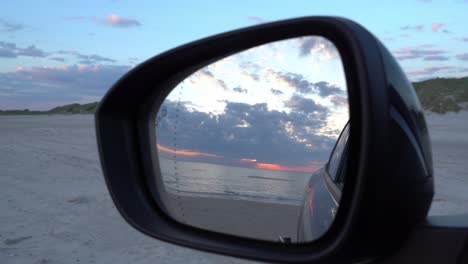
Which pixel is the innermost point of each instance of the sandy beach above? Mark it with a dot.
(56, 209)
(266, 221)
(54, 203)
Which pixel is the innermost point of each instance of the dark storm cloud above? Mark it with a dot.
(276, 92)
(11, 50)
(239, 90)
(246, 131)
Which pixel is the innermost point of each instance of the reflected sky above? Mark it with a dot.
(288, 97)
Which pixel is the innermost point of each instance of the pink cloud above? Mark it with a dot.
(436, 26)
(112, 20)
(118, 21)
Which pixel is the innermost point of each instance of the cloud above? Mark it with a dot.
(120, 22)
(112, 20)
(436, 58)
(416, 52)
(325, 48)
(436, 26)
(297, 81)
(418, 28)
(206, 75)
(10, 50)
(430, 70)
(326, 89)
(302, 85)
(239, 90)
(250, 76)
(248, 134)
(308, 106)
(87, 59)
(9, 27)
(36, 87)
(339, 101)
(93, 59)
(61, 59)
(276, 92)
(256, 19)
(462, 56)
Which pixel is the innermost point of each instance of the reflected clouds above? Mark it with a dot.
(256, 109)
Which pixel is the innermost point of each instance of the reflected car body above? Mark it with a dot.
(323, 193)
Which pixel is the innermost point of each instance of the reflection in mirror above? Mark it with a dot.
(243, 144)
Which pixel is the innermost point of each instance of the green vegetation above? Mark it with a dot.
(60, 110)
(442, 95)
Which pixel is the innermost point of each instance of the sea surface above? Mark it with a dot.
(213, 180)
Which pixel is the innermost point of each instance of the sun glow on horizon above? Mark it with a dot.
(188, 153)
(244, 162)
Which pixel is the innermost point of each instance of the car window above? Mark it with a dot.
(337, 154)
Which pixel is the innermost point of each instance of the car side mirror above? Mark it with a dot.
(182, 138)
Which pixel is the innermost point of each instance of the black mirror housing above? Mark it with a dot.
(389, 184)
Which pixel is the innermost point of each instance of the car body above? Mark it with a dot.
(323, 193)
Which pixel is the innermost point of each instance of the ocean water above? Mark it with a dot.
(213, 180)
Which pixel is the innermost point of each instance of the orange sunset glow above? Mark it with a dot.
(311, 167)
(189, 153)
(272, 166)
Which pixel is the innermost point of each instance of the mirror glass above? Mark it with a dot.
(245, 144)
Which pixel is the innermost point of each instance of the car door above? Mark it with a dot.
(323, 193)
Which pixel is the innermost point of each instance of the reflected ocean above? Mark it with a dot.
(219, 181)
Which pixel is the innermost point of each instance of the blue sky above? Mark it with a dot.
(58, 52)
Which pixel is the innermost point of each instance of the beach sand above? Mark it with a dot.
(259, 220)
(55, 207)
